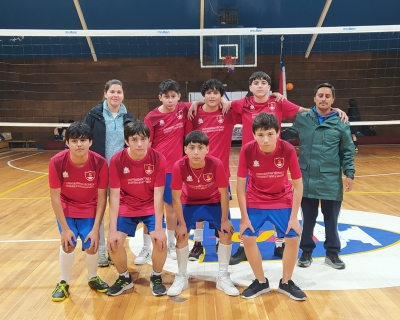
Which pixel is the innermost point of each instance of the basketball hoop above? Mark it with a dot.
(229, 63)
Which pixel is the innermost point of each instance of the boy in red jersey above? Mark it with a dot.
(269, 197)
(137, 179)
(78, 180)
(199, 192)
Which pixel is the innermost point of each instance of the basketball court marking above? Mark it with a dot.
(12, 155)
(31, 155)
(23, 184)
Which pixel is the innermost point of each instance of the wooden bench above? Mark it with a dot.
(25, 143)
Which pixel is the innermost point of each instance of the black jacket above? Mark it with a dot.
(95, 120)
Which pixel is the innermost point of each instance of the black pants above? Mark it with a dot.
(330, 210)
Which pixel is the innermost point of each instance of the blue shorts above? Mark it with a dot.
(210, 212)
(167, 189)
(81, 227)
(278, 217)
(128, 225)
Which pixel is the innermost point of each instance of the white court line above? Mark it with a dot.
(23, 241)
(9, 163)
(12, 155)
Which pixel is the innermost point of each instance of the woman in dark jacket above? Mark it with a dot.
(354, 115)
(107, 121)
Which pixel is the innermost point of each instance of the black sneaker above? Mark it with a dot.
(255, 289)
(278, 251)
(122, 284)
(334, 261)
(291, 290)
(196, 251)
(238, 257)
(157, 285)
(60, 292)
(97, 284)
(305, 260)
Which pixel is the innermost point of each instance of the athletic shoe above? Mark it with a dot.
(180, 283)
(103, 261)
(334, 261)
(305, 260)
(60, 292)
(97, 284)
(238, 257)
(157, 285)
(143, 257)
(225, 284)
(291, 290)
(110, 262)
(171, 251)
(196, 251)
(216, 247)
(122, 284)
(278, 251)
(356, 149)
(255, 289)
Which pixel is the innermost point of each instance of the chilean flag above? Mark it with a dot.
(282, 76)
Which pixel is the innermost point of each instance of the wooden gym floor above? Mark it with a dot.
(29, 246)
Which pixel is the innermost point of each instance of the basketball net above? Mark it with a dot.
(229, 63)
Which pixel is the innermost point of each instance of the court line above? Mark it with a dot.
(23, 184)
(33, 198)
(10, 165)
(12, 155)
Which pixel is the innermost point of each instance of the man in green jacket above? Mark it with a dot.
(326, 150)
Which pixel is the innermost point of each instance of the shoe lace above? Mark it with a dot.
(156, 281)
(334, 257)
(61, 287)
(254, 284)
(197, 248)
(225, 278)
(97, 280)
(143, 252)
(293, 285)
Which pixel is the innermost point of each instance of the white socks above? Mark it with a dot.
(198, 235)
(66, 262)
(182, 256)
(91, 264)
(147, 241)
(224, 254)
(171, 237)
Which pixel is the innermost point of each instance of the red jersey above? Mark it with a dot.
(199, 186)
(268, 186)
(218, 128)
(167, 132)
(137, 180)
(79, 185)
(249, 109)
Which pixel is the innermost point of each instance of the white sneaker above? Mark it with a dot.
(225, 284)
(143, 257)
(181, 283)
(103, 261)
(171, 251)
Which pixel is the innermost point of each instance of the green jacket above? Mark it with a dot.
(326, 150)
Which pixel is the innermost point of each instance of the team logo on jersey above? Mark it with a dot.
(179, 114)
(189, 178)
(126, 170)
(271, 106)
(256, 163)
(162, 122)
(279, 162)
(89, 175)
(207, 177)
(251, 107)
(65, 174)
(200, 121)
(148, 168)
(220, 118)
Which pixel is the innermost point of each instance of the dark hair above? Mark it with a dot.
(109, 83)
(212, 84)
(352, 111)
(169, 85)
(136, 128)
(325, 85)
(259, 75)
(61, 121)
(265, 121)
(71, 121)
(196, 136)
(78, 130)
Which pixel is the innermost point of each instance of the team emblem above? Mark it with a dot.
(200, 121)
(251, 107)
(271, 106)
(89, 175)
(65, 174)
(189, 178)
(179, 114)
(148, 168)
(162, 122)
(256, 163)
(126, 170)
(207, 177)
(279, 162)
(220, 118)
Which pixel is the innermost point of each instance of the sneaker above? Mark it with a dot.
(97, 284)
(171, 251)
(181, 283)
(238, 257)
(278, 251)
(255, 289)
(355, 149)
(291, 290)
(110, 262)
(334, 261)
(216, 247)
(305, 260)
(225, 284)
(103, 261)
(196, 251)
(157, 285)
(60, 292)
(143, 257)
(122, 284)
